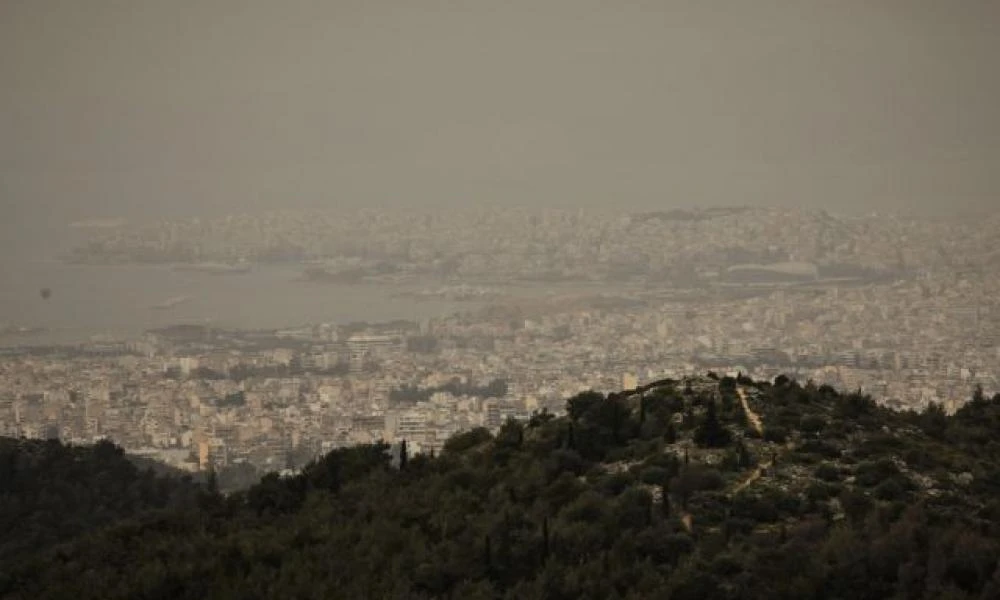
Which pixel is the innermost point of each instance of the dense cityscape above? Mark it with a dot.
(904, 309)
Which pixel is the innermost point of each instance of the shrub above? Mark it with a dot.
(827, 472)
(614, 483)
(889, 490)
(778, 435)
(812, 424)
(740, 526)
(819, 448)
(755, 508)
(818, 491)
(460, 442)
(654, 476)
(726, 565)
(871, 473)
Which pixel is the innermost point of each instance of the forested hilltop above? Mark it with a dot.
(703, 488)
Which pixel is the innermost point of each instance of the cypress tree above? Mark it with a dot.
(670, 435)
(744, 456)
(711, 433)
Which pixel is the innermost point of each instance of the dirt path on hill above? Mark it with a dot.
(751, 478)
(758, 425)
(752, 417)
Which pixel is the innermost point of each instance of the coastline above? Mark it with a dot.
(119, 301)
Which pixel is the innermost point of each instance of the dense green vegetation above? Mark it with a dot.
(50, 493)
(672, 491)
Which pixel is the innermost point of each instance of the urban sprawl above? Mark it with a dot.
(559, 302)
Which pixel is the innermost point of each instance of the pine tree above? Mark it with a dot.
(403, 458)
(978, 396)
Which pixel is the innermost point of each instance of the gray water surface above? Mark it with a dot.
(121, 301)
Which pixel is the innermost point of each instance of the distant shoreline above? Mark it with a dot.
(99, 223)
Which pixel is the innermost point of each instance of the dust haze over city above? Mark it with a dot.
(237, 236)
(172, 109)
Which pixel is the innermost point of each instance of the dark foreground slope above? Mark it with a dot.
(50, 492)
(700, 489)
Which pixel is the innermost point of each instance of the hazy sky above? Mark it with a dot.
(142, 107)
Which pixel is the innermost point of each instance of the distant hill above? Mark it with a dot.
(695, 214)
(704, 488)
(99, 223)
